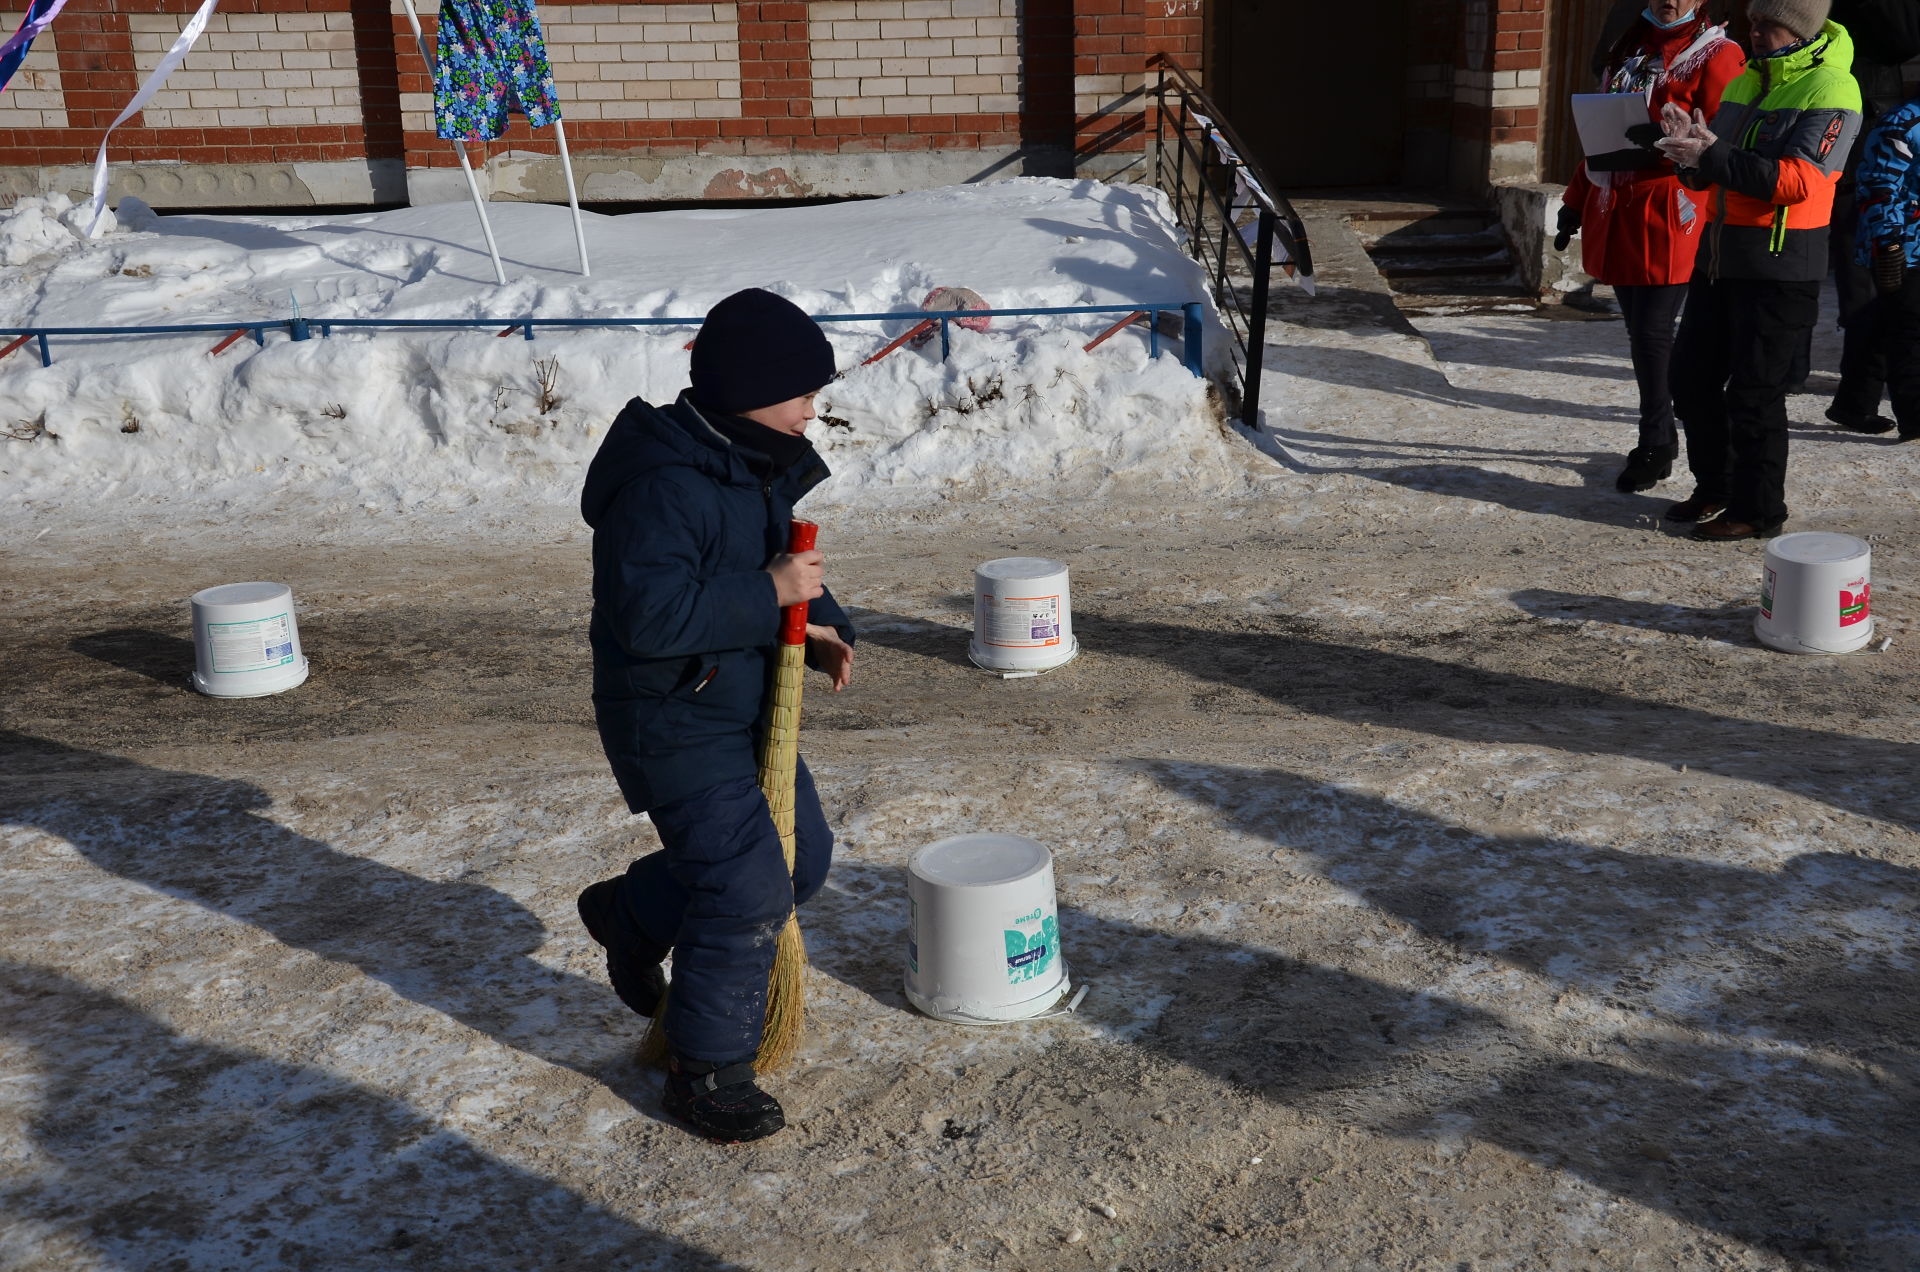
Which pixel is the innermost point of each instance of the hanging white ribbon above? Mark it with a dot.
(189, 34)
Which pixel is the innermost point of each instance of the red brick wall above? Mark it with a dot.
(98, 78)
(1079, 66)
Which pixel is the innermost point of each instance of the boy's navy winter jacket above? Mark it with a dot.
(685, 617)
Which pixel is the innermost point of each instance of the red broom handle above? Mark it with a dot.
(925, 324)
(801, 536)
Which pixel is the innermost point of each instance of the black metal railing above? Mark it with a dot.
(1238, 227)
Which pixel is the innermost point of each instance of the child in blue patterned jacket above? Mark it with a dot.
(1889, 238)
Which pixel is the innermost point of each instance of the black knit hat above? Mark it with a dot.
(756, 349)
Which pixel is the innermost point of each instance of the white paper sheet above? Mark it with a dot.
(1603, 119)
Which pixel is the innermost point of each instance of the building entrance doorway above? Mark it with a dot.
(1318, 94)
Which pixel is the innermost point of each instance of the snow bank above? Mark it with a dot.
(453, 418)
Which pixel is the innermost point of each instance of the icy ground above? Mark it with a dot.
(1458, 883)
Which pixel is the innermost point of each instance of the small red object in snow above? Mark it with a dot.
(222, 346)
(1104, 336)
(16, 344)
(920, 330)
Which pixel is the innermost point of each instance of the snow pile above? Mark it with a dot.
(447, 418)
(44, 226)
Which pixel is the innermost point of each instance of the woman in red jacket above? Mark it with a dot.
(1639, 228)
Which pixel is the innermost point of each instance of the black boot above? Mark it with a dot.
(632, 966)
(721, 1101)
(1695, 507)
(1854, 422)
(1647, 467)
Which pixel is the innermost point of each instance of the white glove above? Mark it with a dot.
(1687, 137)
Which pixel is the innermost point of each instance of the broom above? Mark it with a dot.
(779, 767)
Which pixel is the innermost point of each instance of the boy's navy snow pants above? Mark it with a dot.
(718, 893)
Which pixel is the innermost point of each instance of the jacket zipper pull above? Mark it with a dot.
(706, 680)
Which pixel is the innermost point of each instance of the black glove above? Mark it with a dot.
(1889, 267)
(1567, 227)
(1644, 135)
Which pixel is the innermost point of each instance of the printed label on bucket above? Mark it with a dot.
(1766, 596)
(1032, 945)
(1021, 622)
(254, 645)
(913, 936)
(1856, 602)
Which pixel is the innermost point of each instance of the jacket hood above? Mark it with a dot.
(646, 438)
(1832, 48)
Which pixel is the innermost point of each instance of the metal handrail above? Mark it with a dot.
(301, 328)
(1219, 146)
(1290, 228)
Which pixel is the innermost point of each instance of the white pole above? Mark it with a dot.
(573, 198)
(473, 186)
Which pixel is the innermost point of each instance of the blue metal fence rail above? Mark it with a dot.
(298, 328)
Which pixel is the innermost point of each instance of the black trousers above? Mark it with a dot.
(1863, 363)
(1650, 312)
(1896, 334)
(1732, 365)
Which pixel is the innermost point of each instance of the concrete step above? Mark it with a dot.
(1398, 265)
(1485, 284)
(1417, 239)
(1413, 223)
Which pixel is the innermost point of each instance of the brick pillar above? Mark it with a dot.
(377, 49)
(1514, 118)
(1109, 64)
(1496, 99)
(776, 77)
(96, 67)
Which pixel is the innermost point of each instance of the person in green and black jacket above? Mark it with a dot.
(1769, 163)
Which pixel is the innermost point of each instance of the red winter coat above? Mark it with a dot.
(1638, 225)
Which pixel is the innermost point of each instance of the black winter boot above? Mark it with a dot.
(1695, 507)
(633, 967)
(1647, 467)
(721, 1101)
(1872, 425)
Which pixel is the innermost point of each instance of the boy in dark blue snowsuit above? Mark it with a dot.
(690, 505)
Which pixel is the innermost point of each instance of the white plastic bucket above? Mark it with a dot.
(246, 641)
(983, 941)
(1022, 615)
(1816, 594)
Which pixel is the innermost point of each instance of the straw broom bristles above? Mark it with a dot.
(779, 773)
(779, 767)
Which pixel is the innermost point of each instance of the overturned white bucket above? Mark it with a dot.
(1022, 616)
(983, 941)
(1816, 594)
(246, 642)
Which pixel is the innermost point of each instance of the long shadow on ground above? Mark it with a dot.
(1471, 704)
(459, 948)
(1355, 683)
(1743, 1060)
(1766, 1088)
(156, 1151)
(1759, 1079)
(1466, 477)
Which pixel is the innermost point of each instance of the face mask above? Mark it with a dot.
(1667, 26)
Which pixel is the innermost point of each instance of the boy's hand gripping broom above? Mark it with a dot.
(779, 767)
